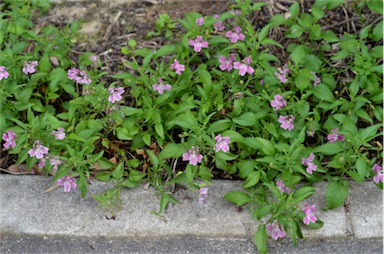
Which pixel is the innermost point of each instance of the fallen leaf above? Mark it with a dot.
(53, 187)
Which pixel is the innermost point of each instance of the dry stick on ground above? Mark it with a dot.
(114, 23)
(347, 19)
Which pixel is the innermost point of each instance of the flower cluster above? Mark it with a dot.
(244, 66)
(3, 73)
(309, 163)
(281, 186)
(200, 21)
(29, 67)
(282, 73)
(227, 64)
(79, 76)
(379, 170)
(177, 67)
(276, 229)
(278, 102)
(219, 25)
(334, 136)
(198, 43)
(222, 143)
(161, 87)
(38, 150)
(203, 194)
(115, 94)
(286, 122)
(9, 138)
(309, 214)
(235, 35)
(68, 183)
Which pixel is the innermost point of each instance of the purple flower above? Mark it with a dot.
(68, 183)
(222, 143)
(281, 186)
(55, 162)
(200, 21)
(198, 43)
(59, 134)
(379, 170)
(115, 94)
(235, 35)
(3, 72)
(244, 66)
(193, 156)
(9, 138)
(203, 194)
(94, 59)
(278, 102)
(41, 163)
(178, 67)
(276, 230)
(317, 79)
(38, 150)
(309, 214)
(309, 163)
(219, 25)
(79, 76)
(29, 67)
(261, 82)
(333, 137)
(282, 73)
(287, 122)
(227, 64)
(161, 87)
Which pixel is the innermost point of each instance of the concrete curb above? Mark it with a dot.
(27, 211)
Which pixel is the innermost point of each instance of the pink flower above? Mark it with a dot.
(227, 64)
(281, 186)
(95, 60)
(115, 94)
(9, 138)
(219, 25)
(41, 163)
(235, 35)
(244, 66)
(222, 143)
(261, 82)
(198, 43)
(59, 134)
(38, 150)
(278, 102)
(178, 67)
(161, 87)
(3, 72)
(55, 162)
(276, 230)
(308, 162)
(282, 73)
(203, 194)
(193, 156)
(287, 122)
(317, 79)
(309, 214)
(200, 21)
(379, 170)
(79, 76)
(68, 183)
(333, 137)
(29, 67)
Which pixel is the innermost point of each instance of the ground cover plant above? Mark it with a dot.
(223, 98)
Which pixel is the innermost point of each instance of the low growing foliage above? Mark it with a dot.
(218, 100)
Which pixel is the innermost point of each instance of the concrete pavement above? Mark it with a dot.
(29, 215)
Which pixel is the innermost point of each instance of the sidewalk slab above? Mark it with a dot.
(27, 210)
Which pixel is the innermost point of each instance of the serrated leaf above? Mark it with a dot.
(219, 126)
(118, 172)
(246, 119)
(171, 151)
(252, 179)
(330, 36)
(336, 194)
(303, 193)
(260, 239)
(329, 148)
(323, 92)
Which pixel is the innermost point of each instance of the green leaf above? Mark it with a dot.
(260, 239)
(171, 151)
(273, 189)
(103, 176)
(323, 92)
(369, 133)
(186, 120)
(246, 119)
(238, 198)
(317, 225)
(82, 184)
(377, 33)
(303, 193)
(252, 179)
(153, 158)
(294, 9)
(362, 167)
(298, 54)
(336, 194)
(219, 126)
(118, 172)
(295, 31)
(234, 135)
(329, 36)
(365, 32)
(205, 79)
(376, 6)
(329, 148)
(159, 130)
(266, 146)
(165, 50)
